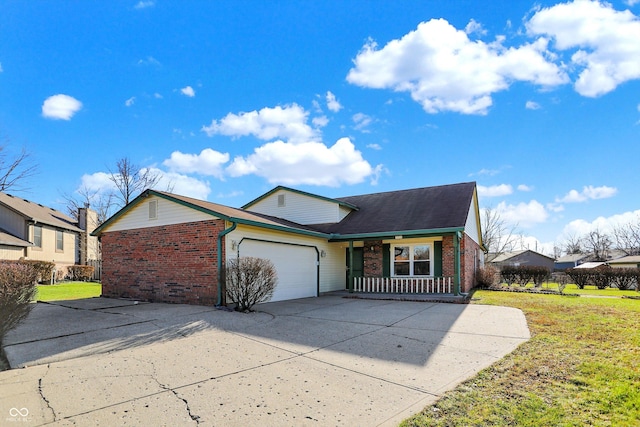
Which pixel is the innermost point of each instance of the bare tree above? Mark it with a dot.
(497, 236)
(15, 170)
(627, 237)
(573, 244)
(101, 202)
(598, 243)
(131, 180)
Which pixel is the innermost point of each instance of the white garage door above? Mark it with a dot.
(296, 267)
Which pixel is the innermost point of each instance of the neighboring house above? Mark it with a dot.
(522, 257)
(571, 261)
(631, 261)
(591, 264)
(30, 230)
(166, 247)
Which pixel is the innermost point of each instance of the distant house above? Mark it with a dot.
(519, 258)
(171, 248)
(591, 264)
(30, 230)
(632, 261)
(571, 261)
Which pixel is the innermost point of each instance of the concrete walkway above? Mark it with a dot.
(317, 361)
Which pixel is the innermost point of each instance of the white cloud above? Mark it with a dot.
(495, 190)
(320, 121)
(157, 95)
(532, 105)
(474, 27)
(632, 2)
(208, 162)
(149, 60)
(605, 42)
(129, 102)
(188, 91)
(374, 146)
(60, 107)
(588, 193)
(288, 123)
(444, 70)
(362, 121)
(332, 102)
(580, 227)
(523, 214)
(183, 185)
(1, 70)
(311, 163)
(143, 4)
(524, 187)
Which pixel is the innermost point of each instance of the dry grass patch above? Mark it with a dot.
(581, 367)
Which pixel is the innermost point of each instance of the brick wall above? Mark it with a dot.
(469, 255)
(173, 263)
(372, 258)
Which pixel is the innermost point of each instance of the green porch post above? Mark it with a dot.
(456, 263)
(350, 266)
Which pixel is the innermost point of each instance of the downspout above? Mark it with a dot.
(457, 264)
(220, 238)
(350, 266)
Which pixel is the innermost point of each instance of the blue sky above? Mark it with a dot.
(538, 102)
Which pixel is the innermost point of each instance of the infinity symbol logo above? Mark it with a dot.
(14, 412)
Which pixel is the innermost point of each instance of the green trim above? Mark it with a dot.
(392, 234)
(221, 286)
(211, 212)
(303, 193)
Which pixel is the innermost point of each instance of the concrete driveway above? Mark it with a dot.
(317, 361)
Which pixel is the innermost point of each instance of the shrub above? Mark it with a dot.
(601, 276)
(17, 290)
(524, 274)
(625, 278)
(510, 274)
(80, 272)
(250, 281)
(579, 276)
(487, 276)
(43, 269)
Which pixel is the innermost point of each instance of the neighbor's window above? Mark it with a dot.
(37, 236)
(59, 240)
(411, 260)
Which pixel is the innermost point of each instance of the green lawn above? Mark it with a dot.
(68, 290)
(581, 367)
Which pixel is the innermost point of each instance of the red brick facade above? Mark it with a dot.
(173, 263)
(469, 259)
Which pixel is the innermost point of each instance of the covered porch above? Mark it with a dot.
(406, 264)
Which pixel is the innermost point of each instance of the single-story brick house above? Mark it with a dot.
(171, 248)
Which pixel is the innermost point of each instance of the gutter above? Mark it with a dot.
(220, 251)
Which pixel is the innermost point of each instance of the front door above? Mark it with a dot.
(358, 264)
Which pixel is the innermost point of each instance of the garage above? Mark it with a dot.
(296, 265)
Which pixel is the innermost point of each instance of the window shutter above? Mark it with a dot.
(386, 262)
(437, 259)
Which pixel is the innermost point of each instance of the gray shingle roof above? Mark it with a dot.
(427, 208)
(39, 213)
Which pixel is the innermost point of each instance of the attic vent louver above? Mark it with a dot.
(153, 209)
(281, 201)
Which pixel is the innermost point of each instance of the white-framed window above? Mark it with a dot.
(411, 260)
(59, 240)
(37, 236)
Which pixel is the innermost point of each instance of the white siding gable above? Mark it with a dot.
(471, 226)
(300, 208)
(167, 213)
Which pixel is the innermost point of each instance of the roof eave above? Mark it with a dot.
(395, 234)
